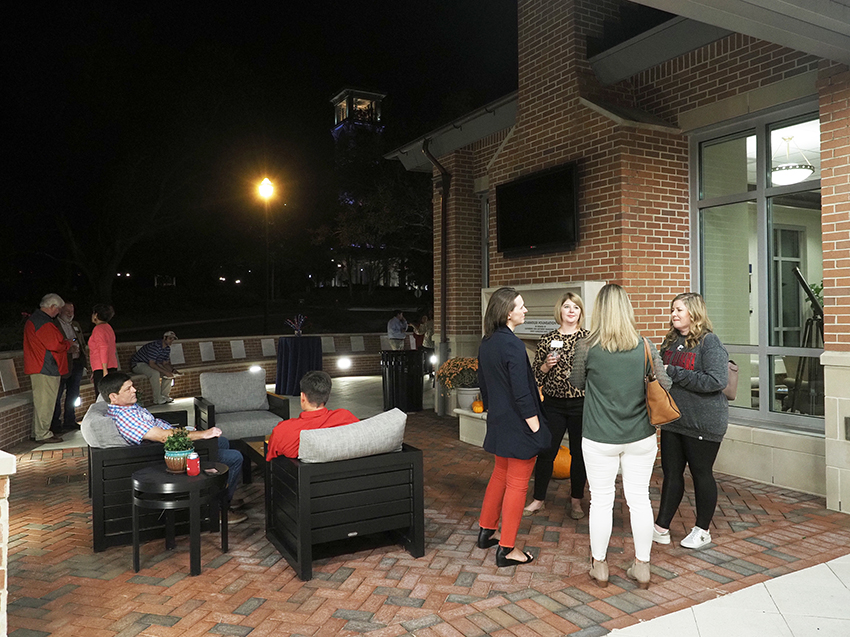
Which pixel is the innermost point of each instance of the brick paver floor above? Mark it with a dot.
(58, 586)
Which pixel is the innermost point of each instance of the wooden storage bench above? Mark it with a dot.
(313, 503)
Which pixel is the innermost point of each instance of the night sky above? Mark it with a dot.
(112, 101)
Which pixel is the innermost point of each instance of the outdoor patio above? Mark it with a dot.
(58, 586)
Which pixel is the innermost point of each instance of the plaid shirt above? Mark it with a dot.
(134, 421)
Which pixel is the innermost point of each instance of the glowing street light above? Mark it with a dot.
(266, 190)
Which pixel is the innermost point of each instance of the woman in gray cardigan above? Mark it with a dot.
(697, 362)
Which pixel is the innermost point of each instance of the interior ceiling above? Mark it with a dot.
(818, 27)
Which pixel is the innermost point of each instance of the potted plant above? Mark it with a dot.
(460, 373)
(177, 448)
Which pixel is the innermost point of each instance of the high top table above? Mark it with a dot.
(156, 488)
(296, 355)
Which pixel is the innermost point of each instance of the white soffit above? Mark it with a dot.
(818, 27)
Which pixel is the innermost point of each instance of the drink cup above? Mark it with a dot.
(556, 348)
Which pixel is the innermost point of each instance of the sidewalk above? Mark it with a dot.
(774, 567)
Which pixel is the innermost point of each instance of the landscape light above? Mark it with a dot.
(255, 368)
(344, 363)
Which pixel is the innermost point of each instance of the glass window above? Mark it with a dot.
(730, 254)
(726, 166)
(761, 263)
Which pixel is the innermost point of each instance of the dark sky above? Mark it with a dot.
(221, 94)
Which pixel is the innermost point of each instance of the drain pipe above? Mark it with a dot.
(445, 184)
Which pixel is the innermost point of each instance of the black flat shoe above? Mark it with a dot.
(485, 538)
(502, 558)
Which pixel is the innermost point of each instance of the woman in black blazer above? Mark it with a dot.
(516, 430)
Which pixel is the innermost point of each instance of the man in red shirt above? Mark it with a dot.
(315, 391)
(45, 361)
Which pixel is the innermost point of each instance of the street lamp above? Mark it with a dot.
(266, 191)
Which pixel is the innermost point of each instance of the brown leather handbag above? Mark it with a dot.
(660, 406)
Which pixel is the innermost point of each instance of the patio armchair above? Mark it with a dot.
(112, 461)
(353, 480)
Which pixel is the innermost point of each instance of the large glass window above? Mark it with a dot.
(761, 262)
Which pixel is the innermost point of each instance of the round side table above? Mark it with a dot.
(155, 488)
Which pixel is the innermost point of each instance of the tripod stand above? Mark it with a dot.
(808, 370)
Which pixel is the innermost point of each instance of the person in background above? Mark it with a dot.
(154, 361)
(315, 392)
(45, 361)
(136, 424)
(69, 386)
(698, 364)
(424, 334)
(516, 428)
(102, 355)
(397, 330)
(562, 402)
(610, 366)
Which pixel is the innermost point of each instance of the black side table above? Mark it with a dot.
(156, 488)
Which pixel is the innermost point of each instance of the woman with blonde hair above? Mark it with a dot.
(698, 364)
(610, 366)
(516, 429)
(562, 403)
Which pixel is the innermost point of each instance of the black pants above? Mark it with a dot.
(69, 391)
(677, 451)
(563, 415)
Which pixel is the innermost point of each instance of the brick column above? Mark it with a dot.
(7, 468)
(834, 91)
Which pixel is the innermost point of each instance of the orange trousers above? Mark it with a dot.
(505, 497)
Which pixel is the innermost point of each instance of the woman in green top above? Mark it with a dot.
(609, 365)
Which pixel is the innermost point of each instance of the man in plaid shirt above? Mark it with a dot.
(136, 424)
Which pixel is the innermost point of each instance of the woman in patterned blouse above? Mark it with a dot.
(562, 403)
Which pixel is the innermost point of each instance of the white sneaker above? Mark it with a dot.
(697, 538)
(660, 538)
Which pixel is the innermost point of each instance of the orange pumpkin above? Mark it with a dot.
(477, 406)
(563, 460)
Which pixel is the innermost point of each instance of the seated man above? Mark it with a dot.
(315, 391)
(154, 361)
(136, 424)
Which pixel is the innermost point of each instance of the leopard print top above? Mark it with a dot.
(556, 383)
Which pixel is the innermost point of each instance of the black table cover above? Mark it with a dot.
(296, 355)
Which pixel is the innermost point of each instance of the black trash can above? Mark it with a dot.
(402, 373)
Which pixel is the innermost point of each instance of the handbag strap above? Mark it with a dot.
(649, 370)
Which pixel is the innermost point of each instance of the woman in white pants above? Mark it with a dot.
(616, 434)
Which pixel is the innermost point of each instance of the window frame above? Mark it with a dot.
(759, 124)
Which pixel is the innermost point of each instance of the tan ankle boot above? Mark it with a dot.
(599, 572)
(639, 571)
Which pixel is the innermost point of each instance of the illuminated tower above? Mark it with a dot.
(355, 109)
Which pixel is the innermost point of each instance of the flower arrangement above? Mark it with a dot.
(458, 372)
(296, 323)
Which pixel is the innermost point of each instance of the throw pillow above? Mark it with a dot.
(99, 429)
(380, 434)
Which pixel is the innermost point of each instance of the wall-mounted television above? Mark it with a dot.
(539, 212)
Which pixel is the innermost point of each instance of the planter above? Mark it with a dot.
(465, 397)
(175, 461)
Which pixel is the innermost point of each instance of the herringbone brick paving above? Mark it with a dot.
(58, 586)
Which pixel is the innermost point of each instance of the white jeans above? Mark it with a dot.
(160, 386)
(602, 461)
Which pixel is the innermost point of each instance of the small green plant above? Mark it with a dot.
(178, 441)
(817, 288)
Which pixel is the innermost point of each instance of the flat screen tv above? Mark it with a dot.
(539, 212)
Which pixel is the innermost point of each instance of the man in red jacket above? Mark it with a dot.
(315, 391)
(46, 361)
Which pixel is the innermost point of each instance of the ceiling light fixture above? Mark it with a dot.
(791, 173)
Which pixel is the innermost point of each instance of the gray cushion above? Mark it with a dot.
(380, 434)
(99, 429)
(246, 424)
(239, 391)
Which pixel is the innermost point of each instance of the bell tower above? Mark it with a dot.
(354, 108)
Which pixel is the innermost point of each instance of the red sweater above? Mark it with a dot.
(286, 437)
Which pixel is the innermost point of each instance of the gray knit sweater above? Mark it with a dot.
(699, 376)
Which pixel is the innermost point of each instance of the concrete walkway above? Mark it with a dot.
(777, 567)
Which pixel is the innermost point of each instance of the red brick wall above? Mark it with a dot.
(834, 91)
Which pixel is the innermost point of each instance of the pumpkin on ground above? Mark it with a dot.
(563, 460)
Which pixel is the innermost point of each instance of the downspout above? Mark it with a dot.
(445, 184)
